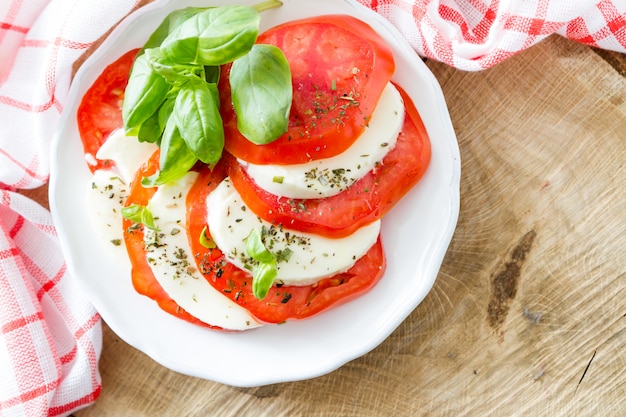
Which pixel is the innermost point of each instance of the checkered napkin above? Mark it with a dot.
(477, 34)
(50, 337)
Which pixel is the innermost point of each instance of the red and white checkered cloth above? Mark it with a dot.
(50, 337)
(477, 34)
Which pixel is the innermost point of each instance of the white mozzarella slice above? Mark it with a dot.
(127, 153)
(330, 176)
(171, 260)
(109, 187)
(312, 258)
(106, 198)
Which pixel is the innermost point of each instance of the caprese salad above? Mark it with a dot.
(245, 174)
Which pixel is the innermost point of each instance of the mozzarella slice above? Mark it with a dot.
(171, 260)
(109, 187)
(312, 257)
(106, 199)
(330, 176)
(127, 153)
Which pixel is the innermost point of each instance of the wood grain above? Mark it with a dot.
(528, 314)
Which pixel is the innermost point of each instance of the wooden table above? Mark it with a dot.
(528, 314)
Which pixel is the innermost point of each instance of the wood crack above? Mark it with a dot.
(585, 371)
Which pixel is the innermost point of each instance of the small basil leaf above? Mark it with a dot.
(215, 36)
(256, 249)
(205, 240)
(263, 277)
(198, 119)
(139, 214)
(262, 93)
(175, 158)
(172, 21)
(144, 94)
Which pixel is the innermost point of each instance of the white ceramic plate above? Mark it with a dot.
(416, 234)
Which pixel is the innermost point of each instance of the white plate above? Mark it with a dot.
(416, 234)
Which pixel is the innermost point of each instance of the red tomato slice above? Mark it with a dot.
(339, 68)
(143, 279)
(366, 201)
(284, 302)
(100, 111)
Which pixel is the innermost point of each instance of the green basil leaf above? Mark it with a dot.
(214, 36)
(205, 240)
(152, 129)
(198, 119)
(172, 21)
(256, 249)
(139, 214)
(175, 73)
(263, 277)
(175, 158)
(262, 93)
(265, 272)
(144, 94)
(165, 113)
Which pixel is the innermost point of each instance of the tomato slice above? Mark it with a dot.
(100, 111)
(282, 302)
(143, 279)
(339, 68)
(366, 201)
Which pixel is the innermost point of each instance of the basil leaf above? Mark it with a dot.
(256, 249)
(263, 277)
(266, 271)
(205, 240)
(175, 73)
(198, 119)
(214, 36)
(139, 214)
(175, 158)
(262, 93)
(152, 129)
(144, 94)
(172, 21)
(165, 113)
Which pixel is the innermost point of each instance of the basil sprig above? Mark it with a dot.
(140, 215)
(266, 270)
(172, 96)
